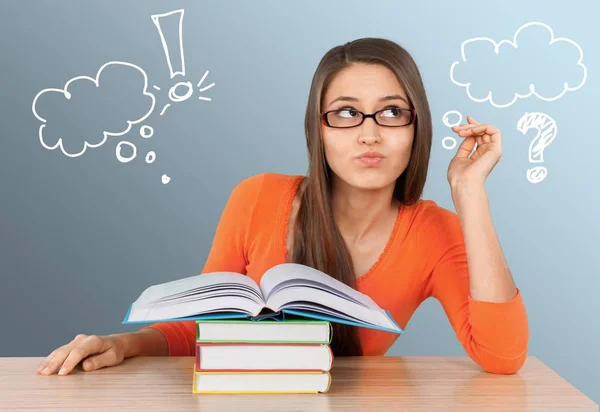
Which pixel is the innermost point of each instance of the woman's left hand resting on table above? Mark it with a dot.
(95, 352)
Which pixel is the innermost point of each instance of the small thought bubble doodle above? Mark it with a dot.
(449, 142)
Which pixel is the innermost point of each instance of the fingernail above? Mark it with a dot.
(62, 371)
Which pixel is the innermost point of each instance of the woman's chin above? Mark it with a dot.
(371, 180)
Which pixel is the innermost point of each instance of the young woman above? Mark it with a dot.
(358, 216)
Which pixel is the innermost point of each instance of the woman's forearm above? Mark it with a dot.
(145, 342)
(489, 274)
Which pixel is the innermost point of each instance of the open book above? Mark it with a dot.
(285, 289)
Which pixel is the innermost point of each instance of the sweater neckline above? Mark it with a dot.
(295, 184)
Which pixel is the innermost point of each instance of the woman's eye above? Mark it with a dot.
(392, 112)
(347, 113)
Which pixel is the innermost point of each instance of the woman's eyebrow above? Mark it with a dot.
(354, 99)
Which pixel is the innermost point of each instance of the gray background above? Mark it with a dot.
(81, 237)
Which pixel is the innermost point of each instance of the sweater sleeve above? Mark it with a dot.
(228, 253)
(495, 335)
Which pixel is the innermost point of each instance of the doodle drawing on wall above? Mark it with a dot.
(501, 84)
(546, 132)
(548, 67)
(54, 134)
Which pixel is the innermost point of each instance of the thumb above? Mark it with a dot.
(108, 358)
(466, 147)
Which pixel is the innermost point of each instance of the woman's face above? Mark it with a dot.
(363, 88)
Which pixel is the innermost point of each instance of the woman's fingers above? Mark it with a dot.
(46, 361)
(471, 120)
(481, 129)
(470, 123)
(57, 357)
(95, 352)
(465, 148)
(473, 130)
(108, 358)
(56, 360)
(462, 127)
(88, 346)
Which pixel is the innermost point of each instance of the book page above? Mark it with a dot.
(296, 274)
(162, 311)
(232, 291)
(182, 287)
(318, 300)
(311, 284)
(292, 285)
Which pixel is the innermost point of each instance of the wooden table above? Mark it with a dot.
(358, 384)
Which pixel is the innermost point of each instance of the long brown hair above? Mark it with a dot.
(317, 241)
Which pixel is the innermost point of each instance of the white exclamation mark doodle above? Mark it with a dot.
(175, 61)
(177, 54)
(170, 29)
(171, 23)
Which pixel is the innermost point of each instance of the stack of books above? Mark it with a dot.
(270, 336)
(267, 356)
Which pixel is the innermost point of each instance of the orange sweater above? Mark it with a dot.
(424, 257)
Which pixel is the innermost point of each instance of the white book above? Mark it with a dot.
(280, 382)
(287, 288)
(244, 357)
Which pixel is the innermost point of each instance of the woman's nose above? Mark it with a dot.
(369, 130)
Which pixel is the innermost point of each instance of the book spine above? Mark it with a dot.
(330, 357)
(198, 358)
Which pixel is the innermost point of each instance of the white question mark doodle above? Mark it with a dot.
(546, 132)
(447, 123)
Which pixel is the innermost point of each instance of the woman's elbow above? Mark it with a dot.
(503, 365)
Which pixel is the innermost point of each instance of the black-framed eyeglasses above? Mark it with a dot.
(389, 117)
